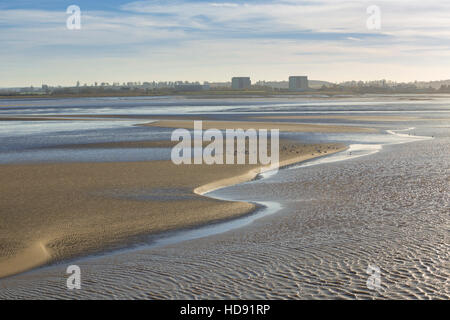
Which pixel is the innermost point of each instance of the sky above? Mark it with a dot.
(213, 40)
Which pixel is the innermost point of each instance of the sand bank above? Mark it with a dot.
(50, 212)
(346, 117)
(245, 125)
(119, 145)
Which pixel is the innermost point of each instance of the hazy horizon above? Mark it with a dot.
(209, 40)
(121, 83)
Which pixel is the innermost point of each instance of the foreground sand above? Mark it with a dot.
(58, 211)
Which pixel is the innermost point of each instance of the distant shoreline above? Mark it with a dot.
(218, 94)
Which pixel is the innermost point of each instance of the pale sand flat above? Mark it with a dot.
(33, 256)
(245, 125)
(50, 212)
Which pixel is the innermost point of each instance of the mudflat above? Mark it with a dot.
(55, 211)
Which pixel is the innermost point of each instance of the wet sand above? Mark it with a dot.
(51, 212)
(120, 145)
(363, 119)
(96, 117)
(389, 209)
(346, 117)
(245, 125)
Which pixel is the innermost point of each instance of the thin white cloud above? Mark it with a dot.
(197, 38)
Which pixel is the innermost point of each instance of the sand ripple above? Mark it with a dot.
(390, 210)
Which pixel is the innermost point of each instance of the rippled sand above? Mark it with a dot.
(390, 210)
(51, 212)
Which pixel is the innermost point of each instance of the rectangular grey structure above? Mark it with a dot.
(239, 83)
(298, 83)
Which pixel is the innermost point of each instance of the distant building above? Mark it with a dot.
(239, 83)
(298, 83)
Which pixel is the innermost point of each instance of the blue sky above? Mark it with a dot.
(213, 40)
